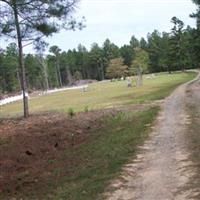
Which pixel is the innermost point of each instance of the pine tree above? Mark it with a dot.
(29, 21)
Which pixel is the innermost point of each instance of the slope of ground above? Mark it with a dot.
(54, 157)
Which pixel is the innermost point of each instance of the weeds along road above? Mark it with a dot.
(163, 168)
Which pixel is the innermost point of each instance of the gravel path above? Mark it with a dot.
(162, 168)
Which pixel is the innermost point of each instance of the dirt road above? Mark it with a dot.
(163, 167)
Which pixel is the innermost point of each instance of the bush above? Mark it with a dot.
(86, 109)
(70, 112)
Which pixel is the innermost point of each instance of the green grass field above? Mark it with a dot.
(101, 95)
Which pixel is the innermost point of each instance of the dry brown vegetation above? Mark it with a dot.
(32, 151)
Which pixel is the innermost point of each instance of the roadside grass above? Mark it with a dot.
(102, 95)
(193, 137)
(100, 160)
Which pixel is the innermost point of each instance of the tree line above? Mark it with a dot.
(177, 50)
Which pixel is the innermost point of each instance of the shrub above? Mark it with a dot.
(70, 112)
(86, 109)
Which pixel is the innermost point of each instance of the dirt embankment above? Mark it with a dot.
(32, 149)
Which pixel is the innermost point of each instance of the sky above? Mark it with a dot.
(118, 20)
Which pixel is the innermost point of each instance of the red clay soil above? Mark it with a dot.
(31, 149)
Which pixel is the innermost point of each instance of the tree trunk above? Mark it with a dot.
(44, 65)
(69, 76)
(169, 69)
(139, 77)
(18, 77)
(102, 72)
(46, 75)
(59, 74)
(21, 64)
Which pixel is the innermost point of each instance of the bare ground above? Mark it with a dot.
(31, 149)
(163, 169)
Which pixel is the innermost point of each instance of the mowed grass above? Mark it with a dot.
(102, 95)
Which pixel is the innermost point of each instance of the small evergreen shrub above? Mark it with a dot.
(71, 112)
(86, 109)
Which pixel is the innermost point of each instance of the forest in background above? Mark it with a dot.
(176, 50)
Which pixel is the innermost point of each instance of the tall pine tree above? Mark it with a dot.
(29, 21)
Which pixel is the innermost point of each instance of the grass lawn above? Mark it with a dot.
(101, 95)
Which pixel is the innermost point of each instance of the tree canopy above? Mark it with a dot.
(36, 18)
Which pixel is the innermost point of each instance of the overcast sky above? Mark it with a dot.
(118, 20)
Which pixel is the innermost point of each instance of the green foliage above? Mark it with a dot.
(197, 2)
(134, 42)
(98, 61)
(86, 109)
(177, 51)
(55, 50)
(34, 71)
(9, 72)
(197, 14)
(71, 112)
(141, 61)
(37, 18)
(143, 43)
(194, 35)
(56, 58)
(77, 75)
(51, 161)
(155, 51)
(127, 53)
(110, 50)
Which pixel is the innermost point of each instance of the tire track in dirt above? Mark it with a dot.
(162, 168)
